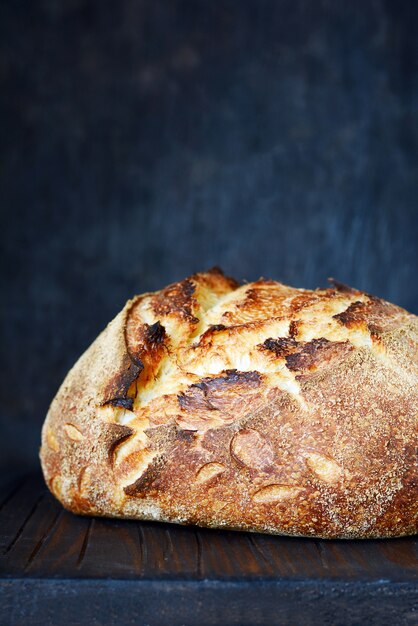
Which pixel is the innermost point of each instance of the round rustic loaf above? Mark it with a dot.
(256, 407)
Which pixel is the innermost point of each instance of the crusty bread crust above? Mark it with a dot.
(256, 407)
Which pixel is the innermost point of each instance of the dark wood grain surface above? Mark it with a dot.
(72, 569)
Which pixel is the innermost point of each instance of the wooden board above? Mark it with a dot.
(59, 568)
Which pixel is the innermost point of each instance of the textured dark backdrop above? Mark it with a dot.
(143, 142)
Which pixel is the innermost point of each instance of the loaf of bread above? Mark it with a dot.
(255, 407)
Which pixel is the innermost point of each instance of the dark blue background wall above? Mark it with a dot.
(144, 140)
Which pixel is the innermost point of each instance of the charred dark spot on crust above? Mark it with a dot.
(281, 347)
(294, 328)
(301, 355)
(217, 327)
(203, 395)
(316, 353)
(232, 377)
(312, 352)
(118, 387)
(141, 337)
(116, 434)
(177, 298)
(140, 488)
(154, 334)
(358, 312)
(353, 316)
(374, 315)
(341, 287)
(147, 342)
(121, 403)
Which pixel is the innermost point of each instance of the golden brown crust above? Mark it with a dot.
(256, 407)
